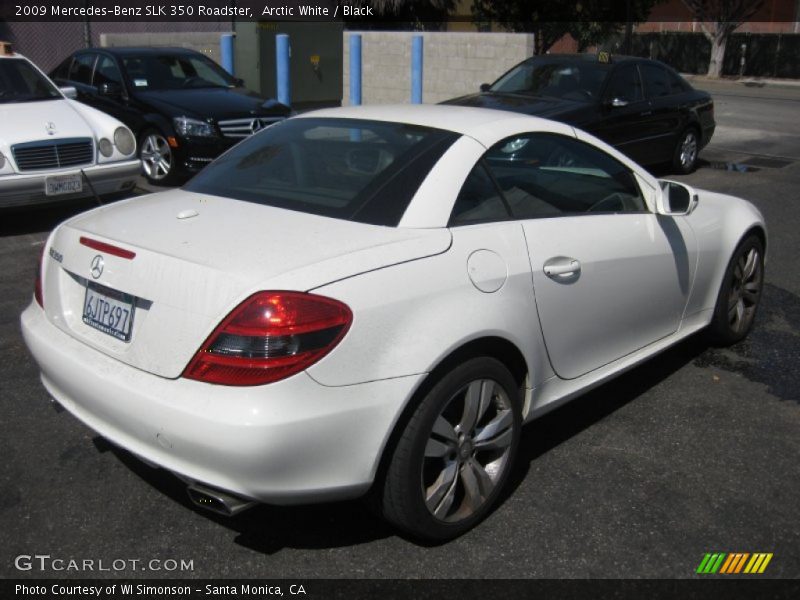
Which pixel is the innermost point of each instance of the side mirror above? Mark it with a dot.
(69, 91)
(238, 82)
(109, 89)
(676, 199)
(485, 87)
(618, 102)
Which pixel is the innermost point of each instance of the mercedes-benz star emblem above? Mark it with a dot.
(256, 125)
(50, 128)
(97, 266)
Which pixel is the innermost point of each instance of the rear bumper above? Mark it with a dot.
(293, 441)
(25, 189)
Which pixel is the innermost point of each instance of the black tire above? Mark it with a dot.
(471, 474)
(684, 157)
(152, 145)
(739, 294)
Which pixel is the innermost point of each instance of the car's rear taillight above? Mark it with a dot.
(269, 337)
(37, 286)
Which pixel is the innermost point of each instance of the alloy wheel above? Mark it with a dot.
(468, 451)
(688, 151)
(745, 290)
(156, 157)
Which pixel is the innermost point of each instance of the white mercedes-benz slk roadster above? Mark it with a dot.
(53, 148)
(373, 300)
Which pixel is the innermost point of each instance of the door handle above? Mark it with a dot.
(646, 113)
(561, 267)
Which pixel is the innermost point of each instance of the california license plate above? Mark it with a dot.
(55, 185)
(109, 311)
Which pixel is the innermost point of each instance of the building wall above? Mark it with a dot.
(454, 63)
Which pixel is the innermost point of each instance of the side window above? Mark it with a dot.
(62, 70)
(81, 70)
(479, 200)
(625, 84)
(655, 81)
(107, 71)
(676, 84)
(549, 175)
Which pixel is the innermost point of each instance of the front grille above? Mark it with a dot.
(53, 154)
(242, 128)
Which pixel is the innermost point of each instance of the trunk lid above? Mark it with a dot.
(196, 258)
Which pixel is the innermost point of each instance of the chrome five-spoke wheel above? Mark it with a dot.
(456, 451)
(156, 157)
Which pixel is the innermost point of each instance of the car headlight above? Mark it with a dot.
(106, 149)
(193, 127)
(124, 140)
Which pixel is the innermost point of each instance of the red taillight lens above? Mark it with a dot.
(37, 286)
(269, 337)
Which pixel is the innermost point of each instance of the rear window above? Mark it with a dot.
(356, 170)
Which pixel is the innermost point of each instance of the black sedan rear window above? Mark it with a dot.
(357, 170)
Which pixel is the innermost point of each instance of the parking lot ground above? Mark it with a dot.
(695, 451)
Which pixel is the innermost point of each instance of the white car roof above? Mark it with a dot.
(483, 124)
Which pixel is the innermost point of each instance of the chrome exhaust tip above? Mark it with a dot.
(218, 501)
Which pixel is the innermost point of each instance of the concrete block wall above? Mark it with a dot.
(454, 63)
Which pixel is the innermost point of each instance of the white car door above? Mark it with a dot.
(609, 276)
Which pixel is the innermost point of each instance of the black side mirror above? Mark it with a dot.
(485, 87)
(110, 89)
(238, 82)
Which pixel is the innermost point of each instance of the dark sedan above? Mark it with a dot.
(640, 106)
(184, 109)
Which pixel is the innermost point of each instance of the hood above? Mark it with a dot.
(217, 103)
(539, 106)
(26, 121)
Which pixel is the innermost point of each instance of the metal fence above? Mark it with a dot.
(48, 43)
(764, 54)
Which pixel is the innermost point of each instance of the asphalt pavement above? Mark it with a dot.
(695, 451)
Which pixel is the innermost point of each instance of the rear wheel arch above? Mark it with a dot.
(495, 347)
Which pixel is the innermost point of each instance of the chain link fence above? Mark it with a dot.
(48, 43)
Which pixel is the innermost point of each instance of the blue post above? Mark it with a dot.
(355, 69)
(282, 54)
(226, 51)
(416, 69)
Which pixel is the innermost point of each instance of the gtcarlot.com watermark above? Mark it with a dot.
(46, 562)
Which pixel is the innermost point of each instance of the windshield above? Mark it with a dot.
(174, 73)
(566, 79)
(365, 171)
(21, 82)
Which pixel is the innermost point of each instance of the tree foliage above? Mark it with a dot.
(588, 21)
(403, 14)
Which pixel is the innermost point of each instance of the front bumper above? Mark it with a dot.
(25, 189)
(289, 442)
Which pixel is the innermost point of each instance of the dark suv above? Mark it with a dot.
(640, 106)
(184, 109)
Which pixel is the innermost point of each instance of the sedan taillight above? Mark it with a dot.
(37, 286)
(269, 337)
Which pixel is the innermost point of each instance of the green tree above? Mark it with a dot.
(588, 21)
(718, 19)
